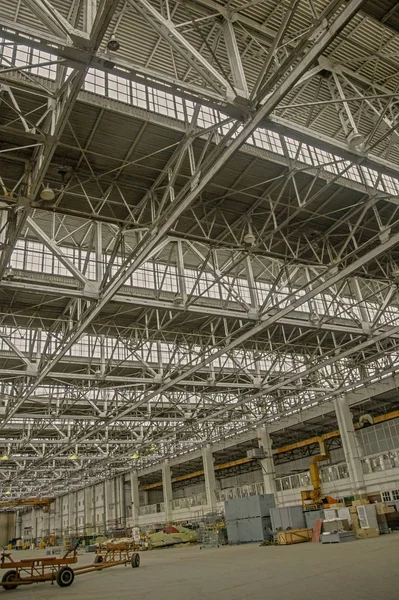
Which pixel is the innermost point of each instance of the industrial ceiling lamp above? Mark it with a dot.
(8, 492)
(135, 456)
(5, 457)
(113, 44)
(355, 140)
(315, 319)
(47, 194)
(249, 238)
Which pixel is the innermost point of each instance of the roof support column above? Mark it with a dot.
(267, 463)
(58, 517)
(167, 490)
(46, 522)
(94, 511)
(18, 525)
(34, 525)
(71, 512)
(210, 479)
(107, 499)
(134, 486)
(350, 445)
(88, 510)
(122, 502)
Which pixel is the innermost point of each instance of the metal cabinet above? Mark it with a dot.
(311, 516)
(291, 517)
(249, 507)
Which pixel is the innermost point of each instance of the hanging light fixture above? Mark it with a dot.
(47, 194)
(113, 44)
(355, 140)
(5, 457)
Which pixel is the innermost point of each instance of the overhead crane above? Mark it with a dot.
(45, 503)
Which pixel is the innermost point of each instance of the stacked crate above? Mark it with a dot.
(248, 519)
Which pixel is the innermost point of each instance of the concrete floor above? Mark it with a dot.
(364, 569)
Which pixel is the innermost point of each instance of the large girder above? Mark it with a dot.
(157, 326)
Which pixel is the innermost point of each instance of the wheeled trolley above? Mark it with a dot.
(121, 553)
(35, 570)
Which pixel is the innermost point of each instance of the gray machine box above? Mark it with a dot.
(249, 507)
(232, 532)
(260, 529)
(311, 517)
(287, 517)
(244, 530)
(259, 506)
(231, 509)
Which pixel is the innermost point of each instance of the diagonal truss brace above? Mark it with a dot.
(54, 20)
(166, 29)
(54, 249)
(192, 190)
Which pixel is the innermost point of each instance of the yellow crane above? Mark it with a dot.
(35, 502)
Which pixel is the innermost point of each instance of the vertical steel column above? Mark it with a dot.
(106, 501)
(350, 445)
(70, 512)
(34, 526)
(267, 464)
(88, 510)
(134, 486)
(167, 490)
(122, 500)
(210, 479)
(94, 510)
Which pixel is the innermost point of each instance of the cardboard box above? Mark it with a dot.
(360, 502)
(383, 508)
(370, 532)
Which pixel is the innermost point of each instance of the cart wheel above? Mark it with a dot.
(135, 560)
(98, 559)
(8, 578)
(65, 577)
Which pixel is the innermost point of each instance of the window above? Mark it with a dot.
(95, 82)
(118, 88)
(395, 494)
(386, 496)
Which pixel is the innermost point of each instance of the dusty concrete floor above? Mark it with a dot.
(364, 569)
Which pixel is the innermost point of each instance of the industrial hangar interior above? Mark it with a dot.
(199, 307)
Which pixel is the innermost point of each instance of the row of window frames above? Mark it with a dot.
(125, 90)
(82, 502)
(80, 520)
(390, 495)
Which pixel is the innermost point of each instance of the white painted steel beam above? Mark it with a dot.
(191, 191)
(54, 249)
(233, 53)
